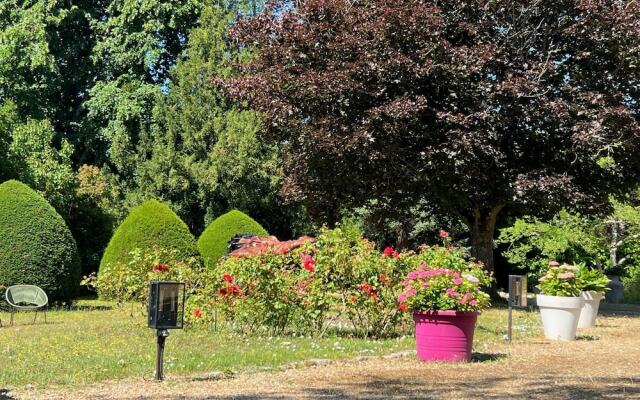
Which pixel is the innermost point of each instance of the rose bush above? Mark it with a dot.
(339, 279)
(358, 282)
(269, 293)
(128, 282)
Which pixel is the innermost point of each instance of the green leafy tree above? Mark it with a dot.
(204, 156)
(45, 64)
(138, 44)
(36, 162)
(567, 237)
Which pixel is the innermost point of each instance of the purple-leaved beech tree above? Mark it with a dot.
(478, 106)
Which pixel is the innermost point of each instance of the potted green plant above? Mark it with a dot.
(594, 284)
(560, 301)
(445, 295)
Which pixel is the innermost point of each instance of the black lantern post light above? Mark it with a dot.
(517, 297)
(166, 311)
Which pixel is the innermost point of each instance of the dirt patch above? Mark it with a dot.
(603, 364)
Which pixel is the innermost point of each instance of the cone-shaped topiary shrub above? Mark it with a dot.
(150, 226)
(214, 240)
(36, 246)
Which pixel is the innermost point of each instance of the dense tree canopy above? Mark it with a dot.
(475, 105)
(104, 104)
(203, 155)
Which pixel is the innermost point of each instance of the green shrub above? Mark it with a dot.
(567, 237)
(36, 246)
(339, 278)
(150, 225)
(266, 294)
(631, 284)
(214, 240)
(128, 281)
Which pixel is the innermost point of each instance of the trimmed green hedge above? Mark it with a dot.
(149, 226)
(36, 246)
(214, 240)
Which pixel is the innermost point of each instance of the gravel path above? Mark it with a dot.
(603, 364)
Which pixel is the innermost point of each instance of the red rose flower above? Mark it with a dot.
(197, 313)
(388, 251)
(160, 268)
(309, 262)
(227, 278)
(234, 290)
(383, 278)
(444, 234)
(403, 307)
(366, 288)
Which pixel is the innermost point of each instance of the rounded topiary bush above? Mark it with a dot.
(214, 240)
(150, 226)
(36, 246)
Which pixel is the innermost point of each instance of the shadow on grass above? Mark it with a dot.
(546, 387)
(542, 388)
(588, 337)
(88, 307)
(484, 357)
(612, 310)
(4, 395)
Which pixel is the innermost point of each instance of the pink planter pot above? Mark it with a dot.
(444, 335)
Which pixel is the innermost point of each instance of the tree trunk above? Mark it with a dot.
(482, 224)
(402, 237)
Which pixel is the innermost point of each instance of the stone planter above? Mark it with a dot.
(590, 309)
(560, 316)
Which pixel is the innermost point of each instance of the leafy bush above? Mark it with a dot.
(445, 280)
(338, 278)
(269, 293)
(127, 281)
(560, 281)
(567, 238)
(358, 282)
(36, 246)
(592, 280)
(214, 240)
(631, 284)
(150, 225)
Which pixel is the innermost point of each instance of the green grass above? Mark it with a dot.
(99, 342)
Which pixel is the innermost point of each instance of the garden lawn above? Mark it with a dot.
(98, 341)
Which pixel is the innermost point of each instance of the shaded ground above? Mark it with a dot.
(603, 363)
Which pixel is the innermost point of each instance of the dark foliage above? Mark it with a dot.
(476, 106)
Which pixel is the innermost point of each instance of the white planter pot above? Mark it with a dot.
(560, 316)
(590, 309)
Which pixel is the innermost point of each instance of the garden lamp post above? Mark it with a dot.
(517, 297)
(166, 311)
